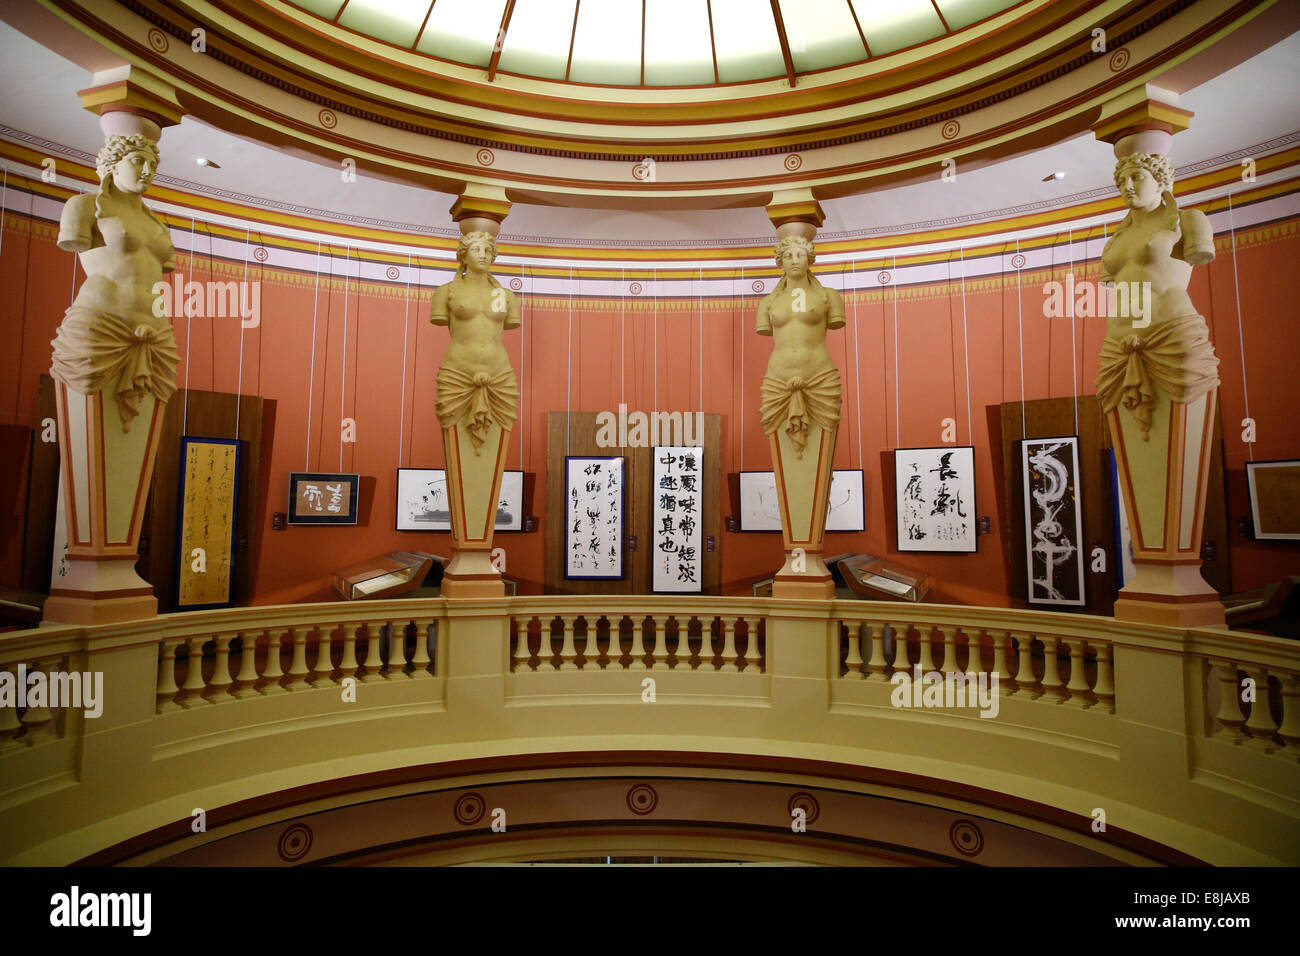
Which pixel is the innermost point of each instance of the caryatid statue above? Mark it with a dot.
(477, 404)
(801, 395)
(114, 367)
(1158, 386)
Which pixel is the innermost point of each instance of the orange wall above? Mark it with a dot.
(366, 384)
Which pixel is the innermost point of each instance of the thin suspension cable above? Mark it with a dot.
(523, 339)
(965, 341)
(1241, 335)
(185, 407)
(1074, 345)
(343, 373)
(622, 340)
(898, 439)
(406, 327)
(1024, 433)
(568, 385)
(239, 380)
(742, 368)
(656, 324)
(311, 376)
(701, 343)
(4, 198)
(857, 373)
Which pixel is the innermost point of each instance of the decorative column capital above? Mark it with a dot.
(130, 101)
(480, 208)
(795, 212)
(1142, 120)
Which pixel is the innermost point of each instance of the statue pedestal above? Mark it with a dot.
(1163, 480)
(106, 476)
(473, 490)
(803, 486)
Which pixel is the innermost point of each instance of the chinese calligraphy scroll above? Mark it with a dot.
(935, 490)
(675, 512)
(206, 539)
(593, 533)
(1053, 520)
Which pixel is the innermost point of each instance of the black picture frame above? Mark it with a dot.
(298, 477)
(901, 542)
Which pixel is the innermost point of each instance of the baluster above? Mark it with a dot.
(193, 686)
(219, 686)
(10, 725)
(39, 719)
(753, 658)
(1077, 688)
(246, 679)
(614, 652)
(590, 642)
(853, 658)
(659, 656)
(1290, 729)
(1230, 718)
(949, 650)
(348, 663)
(683, 651)
(546, 649)
(167, 689)
(1053, 686)
(1025, 672)
(273, 674)
(901, 662)
(1104, 690)
(567, 651)
(877, 664)
(729, 644)
(638, 645)
(324, 666)
(522, 653)
(1260, 722)
(298, 665)
(707, 652)
(396, 650)
(420, 660)
(974, 655)
(926, 662)
(1001, 644)
(373, 661)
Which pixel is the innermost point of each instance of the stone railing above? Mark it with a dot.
(1185, 738)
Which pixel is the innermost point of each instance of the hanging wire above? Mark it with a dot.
(239, 380)
(568, 385)
(965, 341)
(743, 396)
(4, 198)
(898, 439)
(406, 327)
(311, 378)
(622, 340)
(1024, 432)
(656, 325)
(1074, 345)
(857, 373)
(1241, 335)
(701, 293)
(185, 407)
(343, 372)
(523, 340)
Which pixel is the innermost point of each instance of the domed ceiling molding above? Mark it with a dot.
(1016, 81)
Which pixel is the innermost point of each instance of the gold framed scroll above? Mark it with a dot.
(209, 498)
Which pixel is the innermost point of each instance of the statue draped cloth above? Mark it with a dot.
(1176, 356)
(91, 348)
(795, 405)
(478, 401)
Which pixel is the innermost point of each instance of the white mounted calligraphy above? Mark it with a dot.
(593, 529)
(678, 494)
(935, 492)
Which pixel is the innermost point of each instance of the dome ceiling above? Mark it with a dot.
(655, 42)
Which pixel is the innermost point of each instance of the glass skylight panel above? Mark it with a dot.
(607, 44)
(744, 34)
(893, 24)
(678, 51)
(328, 9)
(962, 13)
(393, 21)
(537, 39)
(821, 33)
(463, 30)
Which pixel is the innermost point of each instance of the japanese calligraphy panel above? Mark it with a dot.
(206, 539)
(593, 539)
(678, 495)
(316, 498)
(935, 491)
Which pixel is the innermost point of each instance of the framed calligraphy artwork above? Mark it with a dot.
(935, 498)
(677, 493)
(422, 501)
(205, 541)
(1054, 552)
(593, 526)
(1274, 490)
(844, 506)
(760, 507)
(323, 498)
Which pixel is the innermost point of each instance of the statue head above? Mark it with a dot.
(795, 256)
(476, 252)
(1144, 180)
(127, 163)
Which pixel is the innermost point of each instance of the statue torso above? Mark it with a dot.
(798, 334)
(125, 261)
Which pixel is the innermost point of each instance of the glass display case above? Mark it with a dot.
(874, 579)
(388, 576)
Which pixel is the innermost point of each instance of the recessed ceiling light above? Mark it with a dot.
(204, 161)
